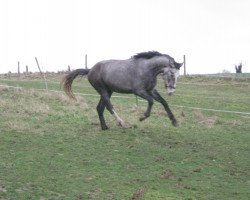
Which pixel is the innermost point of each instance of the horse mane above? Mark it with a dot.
(149, 55)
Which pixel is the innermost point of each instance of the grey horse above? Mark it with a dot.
(136, 75)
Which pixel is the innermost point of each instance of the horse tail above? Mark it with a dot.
(69, 78)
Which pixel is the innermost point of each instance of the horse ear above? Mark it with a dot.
(178, 65)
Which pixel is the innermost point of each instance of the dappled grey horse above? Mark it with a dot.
(136, 75)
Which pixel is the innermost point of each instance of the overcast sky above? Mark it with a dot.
(213, 34)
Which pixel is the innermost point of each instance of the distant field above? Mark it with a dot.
(53, 148)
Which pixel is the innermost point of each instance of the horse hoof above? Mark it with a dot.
(127, 126)
(175, 123)
(105, 128)
(142, 118)
(124, 125)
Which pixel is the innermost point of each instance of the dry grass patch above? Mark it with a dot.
(208, 121)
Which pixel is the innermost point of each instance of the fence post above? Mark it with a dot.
(27, 69)
(86, 61)
(18, 68)
(44, 77)
(184, 60)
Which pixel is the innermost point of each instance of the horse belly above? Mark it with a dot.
(119, 85)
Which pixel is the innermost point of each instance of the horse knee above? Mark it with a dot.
(100, 109)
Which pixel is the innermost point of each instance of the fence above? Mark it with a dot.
(141, 100)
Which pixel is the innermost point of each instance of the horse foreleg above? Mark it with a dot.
(148, 97)
(148, 111)
(159, 98)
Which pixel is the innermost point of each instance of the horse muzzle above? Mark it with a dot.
(170, 90)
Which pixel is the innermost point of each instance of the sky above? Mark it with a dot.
(213, 34)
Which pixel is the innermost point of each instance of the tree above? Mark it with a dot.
(238, 68)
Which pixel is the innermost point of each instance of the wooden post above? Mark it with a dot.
(18, 68)
(86, 61)
(68, 68)
(184, 60)
(44, 77)
(27, 69)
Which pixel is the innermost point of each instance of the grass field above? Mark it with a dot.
(53, 148)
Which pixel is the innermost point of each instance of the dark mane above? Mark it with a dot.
(147, 55)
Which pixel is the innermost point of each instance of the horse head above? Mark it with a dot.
(170, 75)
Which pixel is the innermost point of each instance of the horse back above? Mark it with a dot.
(116, 75)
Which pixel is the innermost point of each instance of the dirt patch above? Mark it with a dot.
(167, 174)
(2, 189)
(17, 125)
(2, 103)
(208, 121)
(139, 194)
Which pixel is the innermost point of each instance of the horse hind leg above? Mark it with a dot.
(100, 109)
(120, 120)
(110, 108)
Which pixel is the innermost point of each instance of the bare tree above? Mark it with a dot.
(238, 68)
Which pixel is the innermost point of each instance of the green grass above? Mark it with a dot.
(53, 148)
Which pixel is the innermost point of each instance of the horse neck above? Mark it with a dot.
(157, 66)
